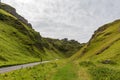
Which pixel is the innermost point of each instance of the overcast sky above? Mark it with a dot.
(72, 19)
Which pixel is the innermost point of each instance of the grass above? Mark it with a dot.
(50, 71)
(104, 73)
(44, 71)
(86, 64)
(67, 72)
(97, 71)
(40, 72)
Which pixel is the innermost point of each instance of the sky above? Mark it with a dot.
(72, 19)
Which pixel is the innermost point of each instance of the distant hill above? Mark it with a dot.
(65, 46)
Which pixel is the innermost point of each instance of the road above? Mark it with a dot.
(12, 68)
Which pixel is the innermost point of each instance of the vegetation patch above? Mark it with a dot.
(103, 73)
(65, 46)
(86, 64)
(108, 61)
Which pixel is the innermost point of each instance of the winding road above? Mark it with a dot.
(12, 68)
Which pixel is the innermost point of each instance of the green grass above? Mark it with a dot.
(56, 70)
(40, 72)
(104, 73)
(67, 72)
(86, 64)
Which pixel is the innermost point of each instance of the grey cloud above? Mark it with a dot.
(74, 19)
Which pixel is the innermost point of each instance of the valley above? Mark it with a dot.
(20, 44)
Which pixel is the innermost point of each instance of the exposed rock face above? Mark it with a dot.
(12, 11)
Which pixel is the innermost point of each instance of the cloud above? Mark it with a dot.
(74, 19)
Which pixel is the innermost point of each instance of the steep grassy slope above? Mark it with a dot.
(19, 43)
(99, 59)
(104, 44)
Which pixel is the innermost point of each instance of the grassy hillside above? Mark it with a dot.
(99, 59)
(19, 43)
(104, 44)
